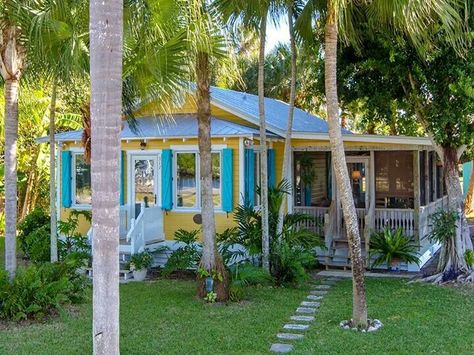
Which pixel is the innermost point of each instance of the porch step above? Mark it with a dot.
(124, 275)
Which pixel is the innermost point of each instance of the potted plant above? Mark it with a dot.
(139, 264)
(391, 248)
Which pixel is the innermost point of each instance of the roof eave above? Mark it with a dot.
(366, 138)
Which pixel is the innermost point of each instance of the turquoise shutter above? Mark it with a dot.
(122, 177)
(66, 178)
(249, 177)
(166, 180)
(271, 167)
(227, 179)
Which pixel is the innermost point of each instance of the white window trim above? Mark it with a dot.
(194, 150)
(74, 205)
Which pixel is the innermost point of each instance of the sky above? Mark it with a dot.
(276, 34)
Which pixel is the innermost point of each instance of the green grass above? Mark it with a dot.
(165, 317)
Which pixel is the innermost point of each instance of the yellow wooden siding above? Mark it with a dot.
(175, 220)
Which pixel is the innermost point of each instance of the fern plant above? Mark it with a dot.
(187, 255)
(388, 246)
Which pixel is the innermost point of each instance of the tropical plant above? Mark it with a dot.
(242, 276)
(188, 253)
(141, 261)
(390, 246)
(33, 221)
(74, 245)
(37, 291)
(106, 120)
(289, 262)
(469, 257)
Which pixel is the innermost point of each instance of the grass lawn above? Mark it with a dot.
(164, 317)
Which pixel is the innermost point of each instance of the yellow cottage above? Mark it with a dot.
(396, 180)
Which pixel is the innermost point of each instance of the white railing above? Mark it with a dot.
(427, 211)
(317, 213)
(394, 218)
(147, 227)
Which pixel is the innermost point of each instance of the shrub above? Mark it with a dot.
(469, 257)
(29, 237)
(289, 262)
(389, 245)
(39, 290)
(443, 224)
(243, 275)
(141, 261)
(187, 255)
(73, 245)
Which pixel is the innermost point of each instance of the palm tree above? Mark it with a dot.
(12, 59)
(106, 26)
(58, 56)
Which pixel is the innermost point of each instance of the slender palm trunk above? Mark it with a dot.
(204, 138)
(52, 176)
(469, 202)
(452, 260)
(106, 24)
(359, 308)
(286, 168)
(11, 136)
(263, 147)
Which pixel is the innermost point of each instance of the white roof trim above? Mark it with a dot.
(366, 138)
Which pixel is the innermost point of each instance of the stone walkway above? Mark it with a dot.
(304, 316)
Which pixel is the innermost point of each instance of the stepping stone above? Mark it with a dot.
(305, 310)
(322, 287)
(314, 297)
(290, 336)
(281, 348)
(319, 293)
(294, 326)
(302, 318)
(310, 304)
(328, 282)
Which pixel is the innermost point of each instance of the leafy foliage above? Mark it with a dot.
(74, 245)
(443, 226)
(37, 291)
(469, 257)
(34, 236)
(187, 255)
(389, 245)
(141, 261)
(243, 275)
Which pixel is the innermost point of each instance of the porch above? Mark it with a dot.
(391, 189)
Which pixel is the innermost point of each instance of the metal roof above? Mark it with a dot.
(276, 112)
(175, 126)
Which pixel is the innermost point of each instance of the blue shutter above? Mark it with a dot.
(66, 178)
(249, 178)
(166, 180)
(227, 179)
(271, 167)
(122, 177)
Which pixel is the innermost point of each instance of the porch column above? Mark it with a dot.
(427, 178)
(416, 194)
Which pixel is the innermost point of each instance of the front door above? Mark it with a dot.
(359, 176)
(144, 182)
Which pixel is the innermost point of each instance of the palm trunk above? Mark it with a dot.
(210, 260)
(106, 31)
(263, 147)
(11, 135)
(359, 308)
(52, 177)
(469, 202)
(286, 169)
(452, 261)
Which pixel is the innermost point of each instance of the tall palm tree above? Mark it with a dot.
(59, 52)
(106, 31)
(12, 59)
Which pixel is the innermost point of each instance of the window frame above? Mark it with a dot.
(74, 205)
(198, 206)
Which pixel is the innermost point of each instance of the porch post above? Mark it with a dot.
(435, 180)
(335, 198)
(370, 218)
(416, 195)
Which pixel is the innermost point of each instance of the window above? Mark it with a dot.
(81, 180)
(188, 190)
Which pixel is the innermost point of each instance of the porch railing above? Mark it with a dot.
(395, 218)
(145, 228)
(317, 213)
(425, 213)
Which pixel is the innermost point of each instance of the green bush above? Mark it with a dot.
(39, 290)
(289, 262)
(34, 233)
(443, 224)
(73, 245)
(141, 261)
(389, 245)
(187, 255)
(243, 275)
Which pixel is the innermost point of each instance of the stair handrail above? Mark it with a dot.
(137, 227)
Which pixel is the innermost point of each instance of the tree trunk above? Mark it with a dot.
(106, 26)
(263, 147)
(25, 208)
(52, 177)
(286, 168)
(12, 55)
(11, 135)
(452, 261)
(359, 311)
(210, 260)
(469, 202)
